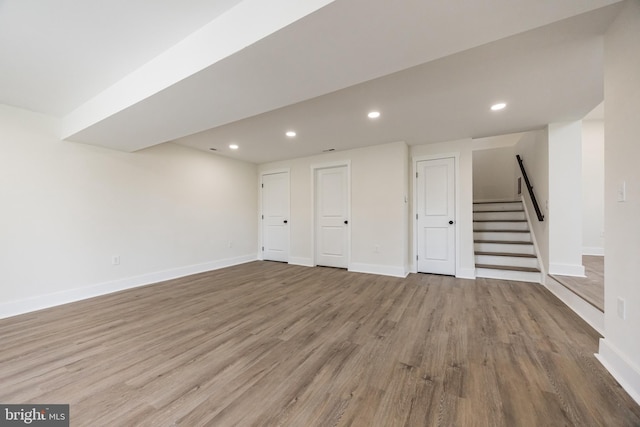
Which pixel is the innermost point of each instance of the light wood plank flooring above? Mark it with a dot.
(269, 344)
(590, 288)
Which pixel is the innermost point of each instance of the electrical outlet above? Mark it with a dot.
(230, 243)
(115, 260)
(376, 249)
(622, 309)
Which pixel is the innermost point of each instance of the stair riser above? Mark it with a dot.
(497, 206)
(504, 247)
(491, 235)
(500, 226)
(520, 276)
(507, 261)
(496, 216)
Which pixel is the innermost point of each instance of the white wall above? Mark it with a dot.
(494, 174)
(620, 349)
(593, 187)
(565, 199)
(379, 213)
(533, 148)
(465, 262)
(67, 208)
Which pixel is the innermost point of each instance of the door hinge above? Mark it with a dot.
(416, 174)
(416, 216)
(416, 257)
(263, 249)
(262, 216)
(262, 185)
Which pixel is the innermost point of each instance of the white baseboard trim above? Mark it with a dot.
(384, 270)
(592, 250)
(567, 270)
(466, 273)
(624, 371)
(588, 313)
(305, 262)
(40, 302)
(408, 269)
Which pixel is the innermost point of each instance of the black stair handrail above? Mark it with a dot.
(530, 188)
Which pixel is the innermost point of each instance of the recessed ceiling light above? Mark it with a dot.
(374, 114)
(233, 146)
(499, 106)
(290, 134)
(213, 149)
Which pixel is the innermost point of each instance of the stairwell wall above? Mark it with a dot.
(494, 174)
(533, 147)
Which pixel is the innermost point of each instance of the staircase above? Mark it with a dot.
(502, 243)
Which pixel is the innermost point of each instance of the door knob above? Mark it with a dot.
(285, 221)
(346, 222)
(450, 222)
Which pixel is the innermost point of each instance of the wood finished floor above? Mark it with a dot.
(591, 287)
(269, 344)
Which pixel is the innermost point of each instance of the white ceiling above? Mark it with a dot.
(110, 70)
(57, 54)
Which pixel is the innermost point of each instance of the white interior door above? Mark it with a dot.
(275, 217)
(332, 217)
(436, 216)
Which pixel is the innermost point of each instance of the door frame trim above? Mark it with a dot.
(328, 165)
(456, 173)
(260, 213)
